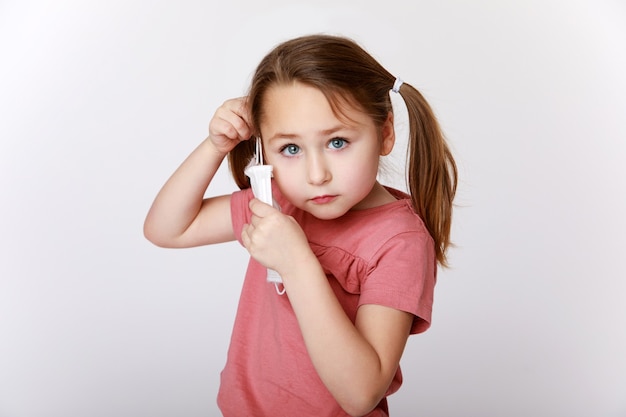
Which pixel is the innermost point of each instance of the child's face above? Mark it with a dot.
(322, 164)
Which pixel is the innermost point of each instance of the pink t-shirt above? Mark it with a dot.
(383, 255)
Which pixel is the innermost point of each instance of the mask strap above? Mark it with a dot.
(259, 151)
(278, 290)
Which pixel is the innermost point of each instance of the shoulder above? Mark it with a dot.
(374, 228)
(391, 235)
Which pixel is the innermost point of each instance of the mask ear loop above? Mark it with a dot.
(258, 156)
(278, 290)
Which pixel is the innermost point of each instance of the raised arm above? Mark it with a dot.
(180, 216)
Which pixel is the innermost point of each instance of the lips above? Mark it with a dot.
(323, 199)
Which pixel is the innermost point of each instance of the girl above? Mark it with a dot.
(357, 259)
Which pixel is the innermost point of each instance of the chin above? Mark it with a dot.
(325, 213)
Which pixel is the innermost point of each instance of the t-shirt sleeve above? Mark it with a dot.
(239, 210)
(402, 275)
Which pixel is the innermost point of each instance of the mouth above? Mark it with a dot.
(323, 199)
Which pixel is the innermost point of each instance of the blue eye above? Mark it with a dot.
(337, 143)
(290, 150)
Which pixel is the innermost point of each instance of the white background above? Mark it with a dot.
(101, 100)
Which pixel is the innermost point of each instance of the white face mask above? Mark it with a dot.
(261, 181)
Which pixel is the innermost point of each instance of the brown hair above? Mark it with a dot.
(342, 70)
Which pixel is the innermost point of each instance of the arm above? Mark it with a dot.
(180, 216)
(356, 362)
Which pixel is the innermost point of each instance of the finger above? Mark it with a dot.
(245, 235)
(230, 125)
(260, 208)
(220, 128)
(254, 222)
(239, 108)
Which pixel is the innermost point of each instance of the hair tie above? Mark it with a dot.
(396, 85)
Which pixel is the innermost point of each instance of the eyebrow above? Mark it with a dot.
(325, 132)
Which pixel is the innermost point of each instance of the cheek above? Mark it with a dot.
(286, 179)
(362, 170)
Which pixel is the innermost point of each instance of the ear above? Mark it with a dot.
(388, 136)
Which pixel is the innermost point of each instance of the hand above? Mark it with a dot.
(275, 240)
(230, 124)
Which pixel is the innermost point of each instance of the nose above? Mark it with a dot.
(318, 171)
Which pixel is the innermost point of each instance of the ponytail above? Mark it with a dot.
(432, 172)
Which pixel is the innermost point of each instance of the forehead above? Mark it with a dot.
(297, 98)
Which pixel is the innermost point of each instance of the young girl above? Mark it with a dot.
(357, 259)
